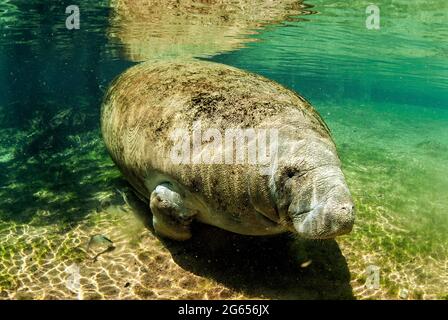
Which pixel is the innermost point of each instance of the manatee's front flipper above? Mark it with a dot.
(170, 218)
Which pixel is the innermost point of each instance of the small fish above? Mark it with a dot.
(109, 249)
(125, 197)
(99, 239)
(306, 264)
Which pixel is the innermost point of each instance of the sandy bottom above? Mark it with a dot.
(395, 158)
(214, 265)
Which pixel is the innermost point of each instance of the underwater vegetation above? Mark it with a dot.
(8, 12)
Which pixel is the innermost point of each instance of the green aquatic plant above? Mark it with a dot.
(8, 13)
(50, 132)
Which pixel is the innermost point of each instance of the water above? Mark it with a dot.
(382, 92)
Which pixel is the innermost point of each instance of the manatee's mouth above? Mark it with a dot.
(300, 217)
(303, 225)
(306, 226)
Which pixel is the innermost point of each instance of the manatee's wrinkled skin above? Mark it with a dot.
(306, 192)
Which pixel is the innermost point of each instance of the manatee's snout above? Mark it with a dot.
(330, 218)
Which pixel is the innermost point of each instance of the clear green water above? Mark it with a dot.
(383, 93)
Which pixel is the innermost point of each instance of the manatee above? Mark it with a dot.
(300, 190)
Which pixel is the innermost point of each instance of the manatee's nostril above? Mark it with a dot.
(345, 219)
(349, 208)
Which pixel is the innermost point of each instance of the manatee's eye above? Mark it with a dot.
(290, 172)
